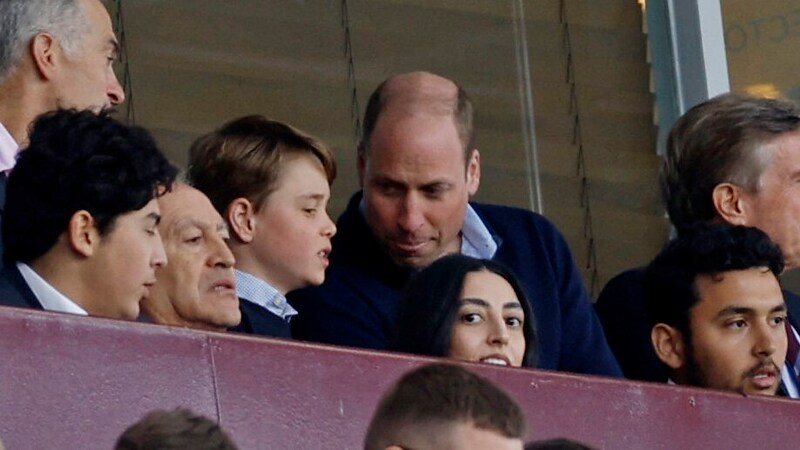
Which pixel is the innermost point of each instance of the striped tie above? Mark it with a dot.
(792, 350)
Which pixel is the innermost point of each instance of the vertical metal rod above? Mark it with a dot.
(526, 106)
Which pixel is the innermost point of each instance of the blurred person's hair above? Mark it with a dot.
(435, 396)
(178, 429)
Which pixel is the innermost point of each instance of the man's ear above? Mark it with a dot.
(82, 233)
(44, 49)
(361, 164)
(473, 172)
(241, 220)
(669, 345)
(730, 204)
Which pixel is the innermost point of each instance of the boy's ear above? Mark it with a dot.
(82, 233)
(241, 220)
(668, 344)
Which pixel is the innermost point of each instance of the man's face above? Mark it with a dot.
(738, 338)
(199, 281)
(416, 187)
(126, 260)
(87, 80)
(775, 207)
(293, 230)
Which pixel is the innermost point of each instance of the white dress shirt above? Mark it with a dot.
(48, 296)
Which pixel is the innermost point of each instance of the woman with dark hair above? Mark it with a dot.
(468, 309)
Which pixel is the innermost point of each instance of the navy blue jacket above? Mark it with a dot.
(14, 291)
(357, 304)
(623, 311)
(260, 321)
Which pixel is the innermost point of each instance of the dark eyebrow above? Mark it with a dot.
(734, 310)
(475, 301)
(483, 303)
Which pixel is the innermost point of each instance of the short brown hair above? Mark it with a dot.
(174, 430)
(718, 141)
(462, 116)
(244, 159)
(439, 394)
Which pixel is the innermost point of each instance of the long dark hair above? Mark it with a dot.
(432, 299)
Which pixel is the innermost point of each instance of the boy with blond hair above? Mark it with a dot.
(271, 183)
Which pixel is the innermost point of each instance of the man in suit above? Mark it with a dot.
(418, 167)
(717, 310)
(81, 232)
(732, 159)
(53, 54)
(198, 288)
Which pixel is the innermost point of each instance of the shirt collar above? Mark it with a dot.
(476, 240)
(8, 150)
(48, 296)
(255, 290)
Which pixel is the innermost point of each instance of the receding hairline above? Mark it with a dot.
(417, 94)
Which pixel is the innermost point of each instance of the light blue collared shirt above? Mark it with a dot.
(476, 240)
(255, 290)
(48, 296)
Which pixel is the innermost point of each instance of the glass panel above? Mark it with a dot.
(761, 39)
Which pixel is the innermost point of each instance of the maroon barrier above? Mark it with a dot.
(77, 382)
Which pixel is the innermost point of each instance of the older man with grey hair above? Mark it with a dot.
(53, 54)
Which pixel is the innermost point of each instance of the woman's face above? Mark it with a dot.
(489, 324)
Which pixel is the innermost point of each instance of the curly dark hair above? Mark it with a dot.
(429, 307)
(704, 249)
(78, 160)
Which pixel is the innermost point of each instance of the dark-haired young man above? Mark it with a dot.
(444, 406)
(717, 310)
(732, 159)
(80, 229)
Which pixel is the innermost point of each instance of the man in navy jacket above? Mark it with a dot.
(418, 167)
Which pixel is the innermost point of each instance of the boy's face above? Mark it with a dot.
(127, 257)
(738, 338)
(292, 228)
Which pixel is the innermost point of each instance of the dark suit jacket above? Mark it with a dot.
(258, 320)
(14, 291)
(623, 313)
(3, 181)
